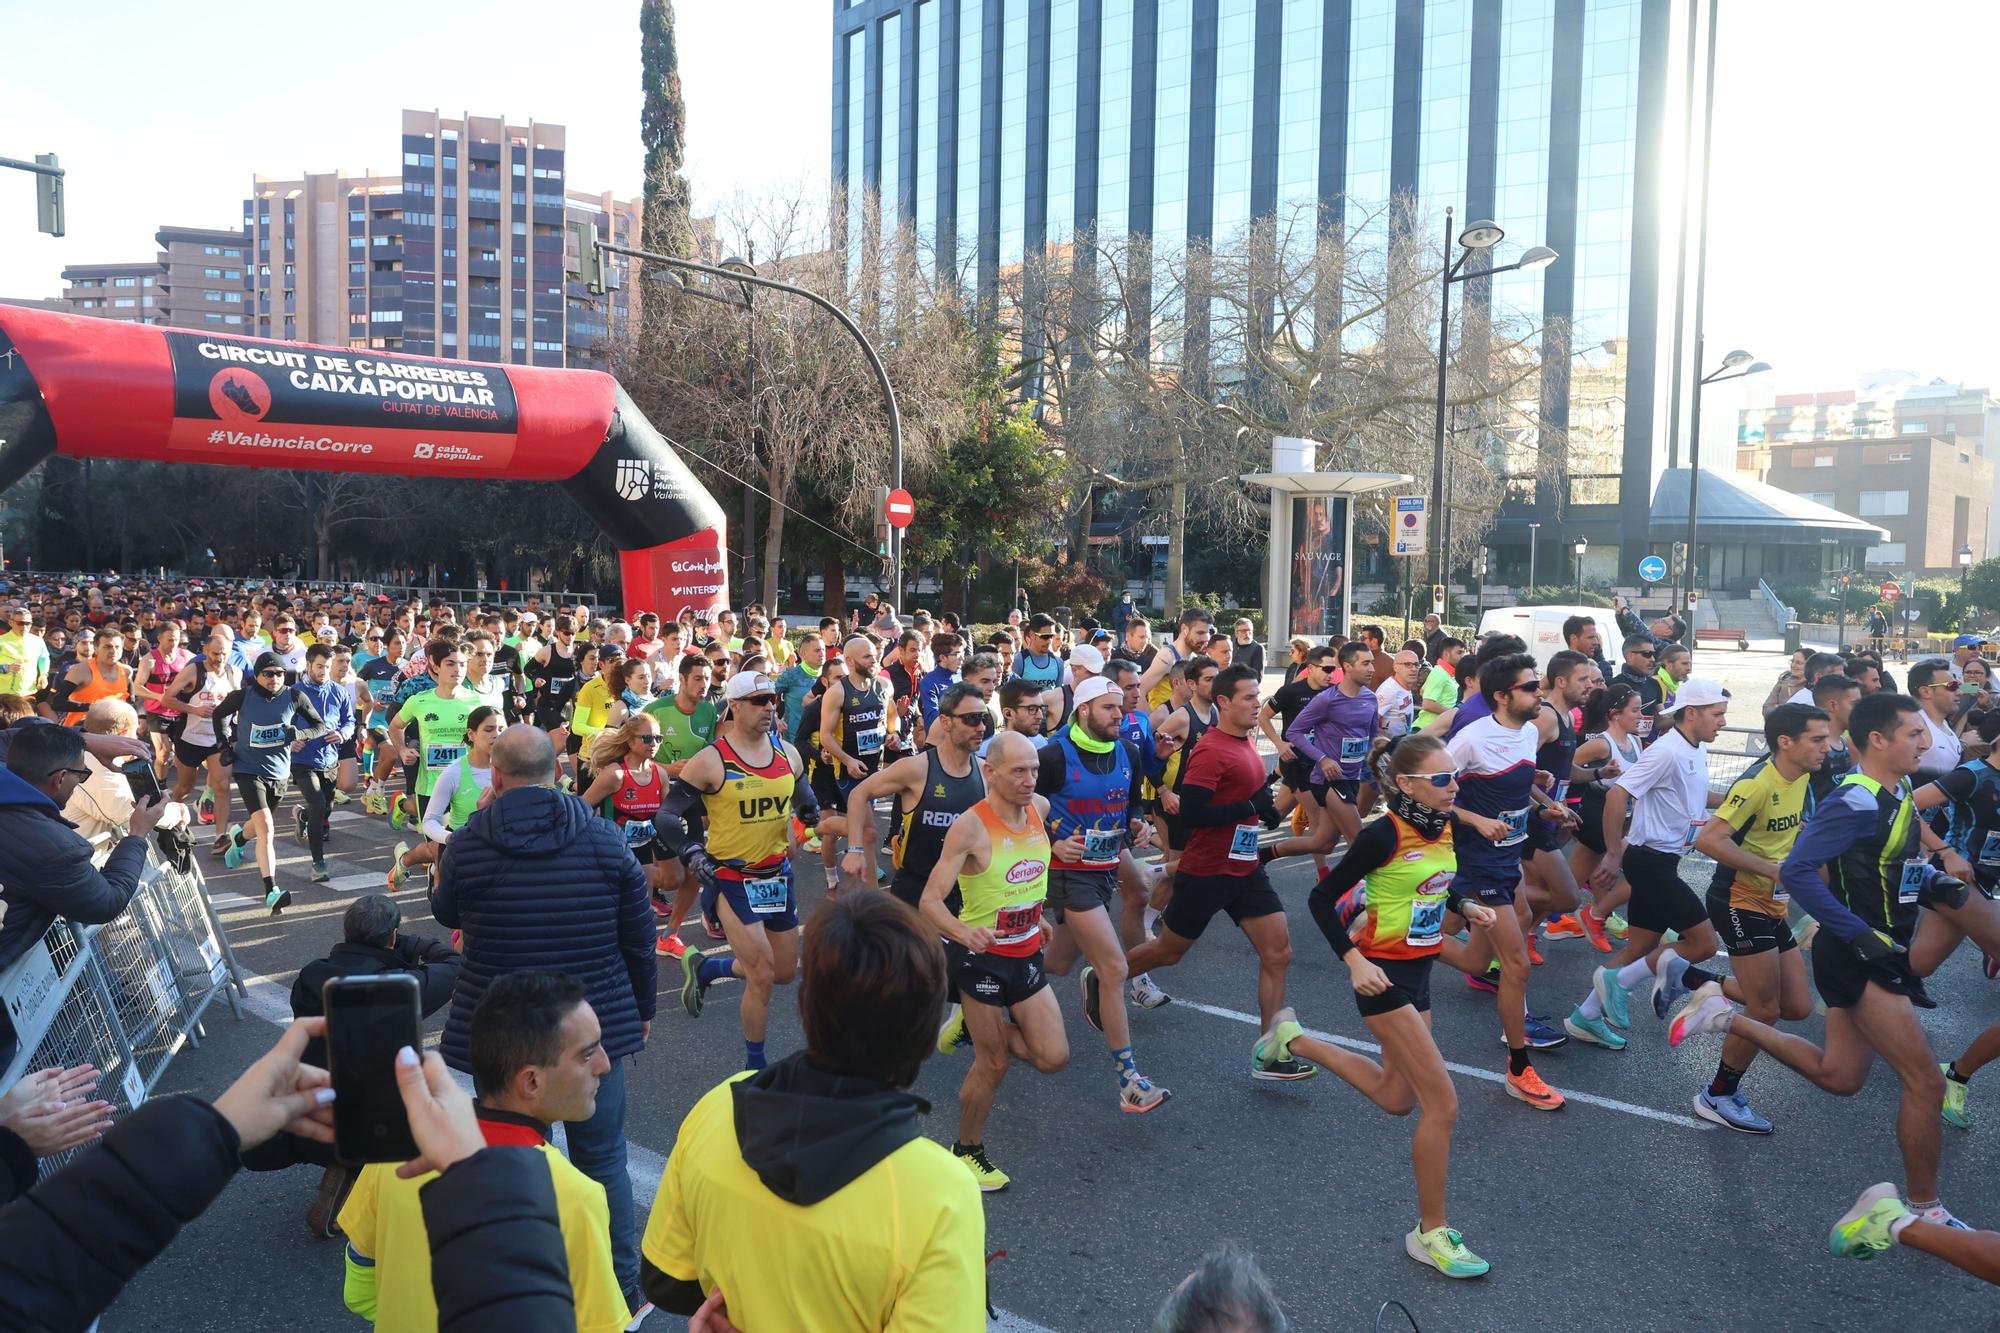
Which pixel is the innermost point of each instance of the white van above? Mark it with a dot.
(1541, 627)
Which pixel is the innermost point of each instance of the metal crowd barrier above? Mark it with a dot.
(124, 996)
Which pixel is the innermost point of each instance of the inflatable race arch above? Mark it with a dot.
(94, 388)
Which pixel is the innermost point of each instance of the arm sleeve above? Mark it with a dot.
(1374, 845)
(439, 804)
(357, 1284)
(302, 706)
(497, 1256)
(675, 822)
(1200, 810)
(1834, 827)
(1049, 773)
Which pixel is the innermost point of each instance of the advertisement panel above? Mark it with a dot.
(1319, 565)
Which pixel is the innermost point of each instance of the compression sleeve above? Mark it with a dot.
(1836, 826)
(1049, 773)
(1199, 809)
(805, 803)
(675, 820)
(439, 806)
(1370, 850)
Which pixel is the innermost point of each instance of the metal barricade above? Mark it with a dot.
(124, 996)
(1731, 754)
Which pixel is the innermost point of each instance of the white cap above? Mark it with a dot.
(1086, 658)
(746, 683)
(1696, 693)
(1093, 689)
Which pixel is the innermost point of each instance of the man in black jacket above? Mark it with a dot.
(539, 882)
(45, 865)
(373, 944)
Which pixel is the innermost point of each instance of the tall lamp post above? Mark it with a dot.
(1534, 531)
(1964, 568)
(1477, 238)
(1577, 548)
(1734, 367)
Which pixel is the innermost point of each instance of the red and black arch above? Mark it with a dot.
(89, 388)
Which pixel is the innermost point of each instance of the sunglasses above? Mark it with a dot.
(1950, 685)
(970, 719)
(648, 738)
(1438, 780)
(1640, 653)
(1527, 687)
(262, 674)
(759, 700)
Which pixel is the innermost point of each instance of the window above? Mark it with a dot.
(126, 303)
(211, 296)
(124, 282)
(1903, 457)
(1916, 427)
(211, 273)
(520, 168)
(216, 249)
(1827, 498)
(1888, 553)
(146, 282)
(1823, 460)
(355, 270)
(1880, 504)
(232, 319)
(383, 240)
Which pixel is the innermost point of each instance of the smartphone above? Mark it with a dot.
(369, 1019)
(139, 776)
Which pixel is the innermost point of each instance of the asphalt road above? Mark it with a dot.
(1621, 1212)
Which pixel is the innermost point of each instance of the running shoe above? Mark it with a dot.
(320, 873)
(1593, 1030)
(1542, 1034)
(1940, 1216)
(278, 899)
(1863, 1230)
(1731, 1112)
(1271, 1056)
(1614, 925)
(1991, 966)
(205, 809)
(1564, 927)
(567, 784)
(1955, 1112)
(299, 825)
(1488, 981)
(398, 816)
(1611, 998)
(693, 989)
(1593, 930)
(1087, 980)
(1527, 1086)
(1146, 994)
(713, 927)
(374, 800)
(334, 1186)
(670, 946)
(1706, 1010)
(232, 854)
(398, 872)
(340, 797)
(953, 1034)
(662, 908)
(1444, 1249)
(1534, 953)
(1136, 1096)
(990, 1177)
(1667, 992)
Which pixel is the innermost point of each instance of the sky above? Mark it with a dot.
(1849, 199)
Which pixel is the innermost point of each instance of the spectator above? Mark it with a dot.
(1434, 637)
(1790, 681)
(536, 1059)
(46, 1112)
(373, 943)
(102, 803)
(1817, 665)
(1245, 649)
(45, 866)
(1963, 649)
(1228, 1293)
(822, 1153)
(1121, 613)
(1440, 687)
(538, 882)
(1663, 629)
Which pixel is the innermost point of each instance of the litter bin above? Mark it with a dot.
(1791, 636)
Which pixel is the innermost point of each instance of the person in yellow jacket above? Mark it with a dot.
(804, 1196)
(537, 1057)
(24, 657)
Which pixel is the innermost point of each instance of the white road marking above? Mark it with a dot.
(1469, 1071)
(361, 879)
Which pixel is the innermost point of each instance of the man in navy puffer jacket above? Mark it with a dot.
(537, 881)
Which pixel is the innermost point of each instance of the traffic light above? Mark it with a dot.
(589, 268)
(48, 197)
(882, 521)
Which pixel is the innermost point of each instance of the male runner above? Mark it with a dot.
(102, 675)
(688, 720)
(1295, 775)
(1333, 735)
(1567, 682)
(1676, 665)
(1223, 796)
(747, 784)
(24, 655)
(1638, 672)
(1748, 839)
(439, 715)
(1936, 693)
(1037, 662)
(1196, 628)
(1440, 688)
(1835, 695)
(156, 671)
(996, 856)
(1870, 844)
(929, 791)
(1495, 755)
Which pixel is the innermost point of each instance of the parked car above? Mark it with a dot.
(1541, 628)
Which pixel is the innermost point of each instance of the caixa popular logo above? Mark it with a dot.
(1026, 872)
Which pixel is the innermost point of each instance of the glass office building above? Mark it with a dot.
(996, 127)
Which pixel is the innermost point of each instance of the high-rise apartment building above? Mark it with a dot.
(996, 128)
(458, 254)
(114, 291)
(194, 282)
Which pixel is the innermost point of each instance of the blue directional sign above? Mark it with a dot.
(1652, 569)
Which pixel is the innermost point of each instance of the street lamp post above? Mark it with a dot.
(1477, 238)
(1577, 548)
(1964, 568)
(1534, 531)
(1479, 591)
(1735, 366)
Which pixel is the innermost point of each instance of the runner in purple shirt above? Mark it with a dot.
(1334, 734)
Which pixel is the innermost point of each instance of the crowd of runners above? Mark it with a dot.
(1086, 799)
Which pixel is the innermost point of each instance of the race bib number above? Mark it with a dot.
(1644, 730)
(1353, 749)
(271, 736)
(1561, 791)
(502, 679)
(767, 896)
(868, 742)
(1989, 850)
(442, 756)
(1915, 875)
(560, 682)
(1517, 826)
(1779, 893)
(639, 832)
(1015, 925)
(1687, 838)
(1101, 844)
(1426, 922)
(1243, 842)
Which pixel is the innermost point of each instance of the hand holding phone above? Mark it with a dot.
(143, 781)
(368, 1020)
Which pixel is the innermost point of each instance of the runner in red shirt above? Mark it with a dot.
(1225, 798)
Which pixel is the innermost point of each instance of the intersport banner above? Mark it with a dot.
(234, 398)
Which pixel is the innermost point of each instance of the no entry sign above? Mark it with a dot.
(899, 509)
